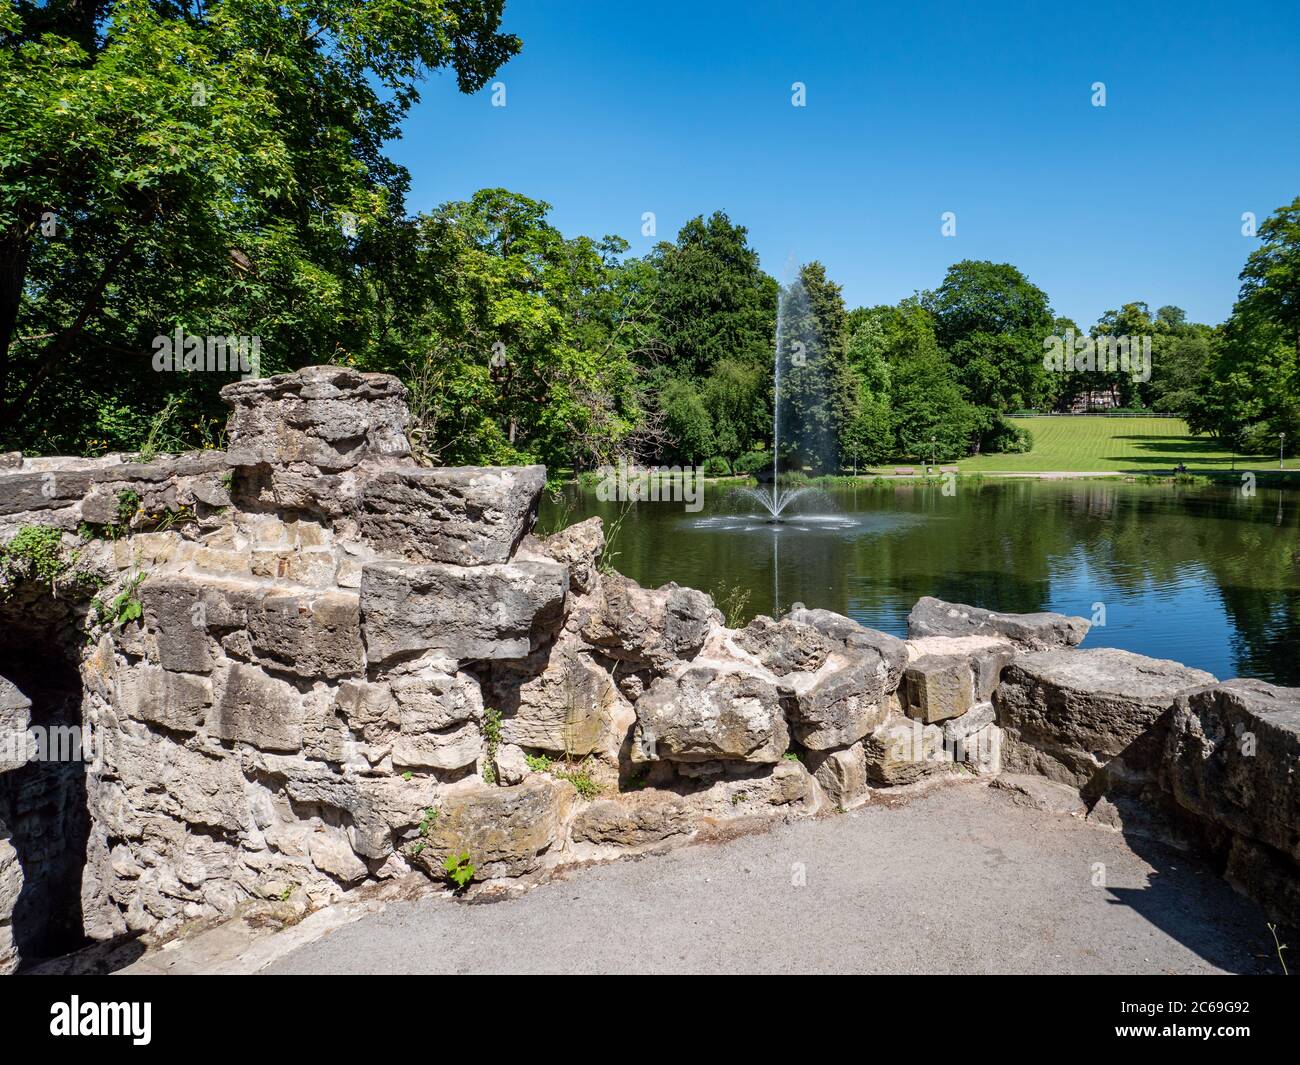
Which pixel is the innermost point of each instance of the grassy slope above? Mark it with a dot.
(1135, 445)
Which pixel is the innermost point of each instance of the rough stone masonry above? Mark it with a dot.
(308, 663)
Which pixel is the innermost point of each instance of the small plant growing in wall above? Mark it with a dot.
(538, 763)
(581, 778)
(492, 734)
(428, 821)
(123, 608)
(128, 504)
(34, 553)
(459, 869)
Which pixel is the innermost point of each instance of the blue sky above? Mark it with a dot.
(913, 109)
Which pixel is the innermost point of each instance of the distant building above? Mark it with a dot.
(1086, 402)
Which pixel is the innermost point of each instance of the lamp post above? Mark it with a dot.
(1281, 448)
(933, 448)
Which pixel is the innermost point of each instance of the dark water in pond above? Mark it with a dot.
(1203, 575)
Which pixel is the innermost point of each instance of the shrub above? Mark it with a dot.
(1007, 439)
(716, 466)
(751, 461)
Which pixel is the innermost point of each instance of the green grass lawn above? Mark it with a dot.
(1078, 443)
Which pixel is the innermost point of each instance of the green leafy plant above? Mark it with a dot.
(459, 869)
(581, 779)
(538, 763)
(123, 608)
(34, 553)
(128, 503)
(428, 821)
(492, 734)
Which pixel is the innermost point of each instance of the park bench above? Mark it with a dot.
(949, 469)
(905, 471)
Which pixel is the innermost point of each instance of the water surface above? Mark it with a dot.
(1203, 575)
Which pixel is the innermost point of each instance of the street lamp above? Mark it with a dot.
(933, 446)
(1281, 448)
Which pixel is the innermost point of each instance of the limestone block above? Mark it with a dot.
(467, 613)
(466, 515)
(1031, 632)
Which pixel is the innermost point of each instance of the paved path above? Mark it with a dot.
(959, 880)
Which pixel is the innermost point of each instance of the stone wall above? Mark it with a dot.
(347, 667)
(15, 716)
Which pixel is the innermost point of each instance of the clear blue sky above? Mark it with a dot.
(913, 109)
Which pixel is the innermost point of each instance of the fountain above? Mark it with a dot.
(795, 329)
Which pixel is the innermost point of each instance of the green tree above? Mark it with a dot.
(991, 321)
(209, 166)
(713, 301)
(815, 385)
(930, 414)
(1270, 280)
(1250, 391)
(517, 341)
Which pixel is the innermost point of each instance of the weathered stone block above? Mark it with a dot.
(368, 710)
(257, 709)
(784, 647)
(635, 820)
(937, 687)
(313, 635)
(175, 701)
(504, 830)
(841, 702)
(15, 717)
(711, 710)
(332, 854)
(433, 698)
(1033, 632)
(1271, 879)
(652, 628)
(902, 751)
(850, 635)
(1069, 714)
(842, 774)
(1233, 757)
(559, 699)
(25, 491)
(449, 748)
(579, 547)
(467, 515)
(329, 417)
(987, 656)
(174, 613)
(490, 611)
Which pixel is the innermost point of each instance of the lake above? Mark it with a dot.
(1202, 574)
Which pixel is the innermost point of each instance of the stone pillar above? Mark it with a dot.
(305, 442)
